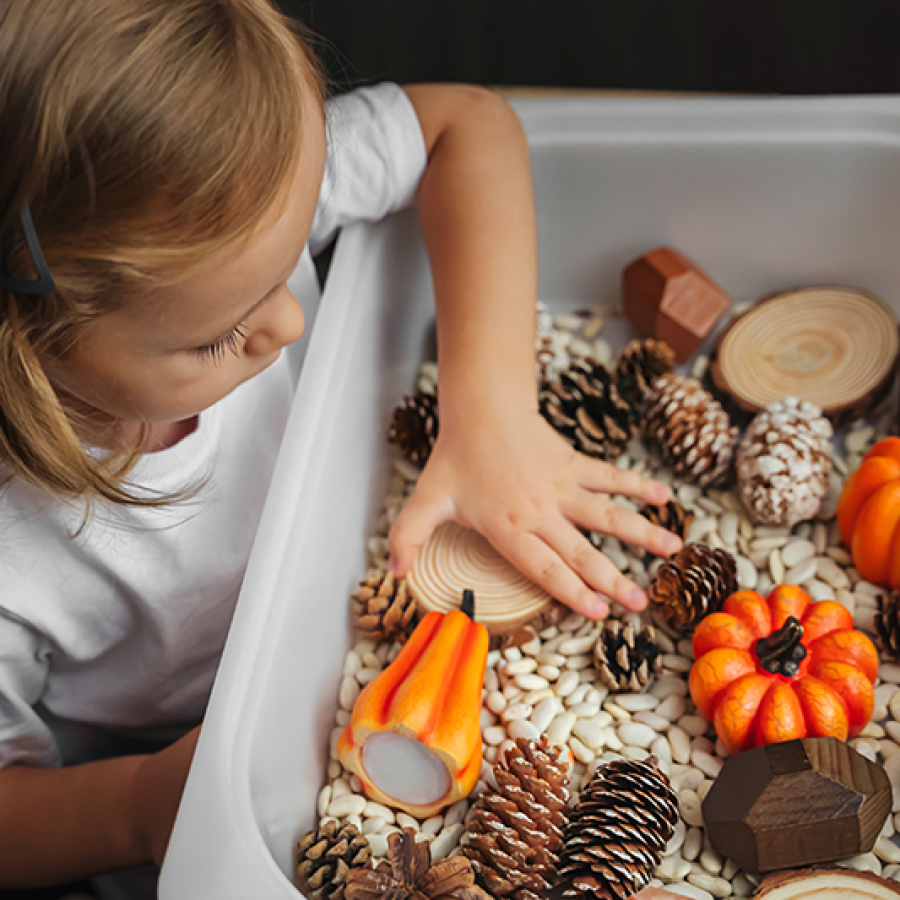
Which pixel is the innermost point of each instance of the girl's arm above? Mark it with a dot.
(497, 465)
(59, 825)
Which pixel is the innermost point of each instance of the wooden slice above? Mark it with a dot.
(833, 346)
(455, 558)
(827, 884)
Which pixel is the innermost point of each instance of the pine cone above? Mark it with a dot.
(693, 431)
(515, 832)
(324, 857)
(414, 426)
(671, 515)
(783, 463)
(409, 872)
(639, 365)
(887, 623)
(385, 609)
(584, 406)
(617, 832)
(626, 659)
(691, 584)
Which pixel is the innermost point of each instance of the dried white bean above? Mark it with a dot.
(794, 552)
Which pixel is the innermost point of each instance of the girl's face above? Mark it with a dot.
(168, 359)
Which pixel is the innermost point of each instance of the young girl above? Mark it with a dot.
(165, 168)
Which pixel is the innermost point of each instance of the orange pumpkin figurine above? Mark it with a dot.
(869, 514)
(414, 737)
(783, 667)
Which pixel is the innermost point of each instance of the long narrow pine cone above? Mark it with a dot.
(638, 367)
(692, 430)
(385, 608)
(414, 426)
(887, 623)
(584, 406)
(325, 856)
(670, 515)
(516, 830)
(626, 657)
(408, 873)
(693, 583)
(616, 834)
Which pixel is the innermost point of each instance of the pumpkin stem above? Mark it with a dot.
(468, 604)
(781, 652)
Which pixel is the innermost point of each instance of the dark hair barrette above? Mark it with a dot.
(44, 283)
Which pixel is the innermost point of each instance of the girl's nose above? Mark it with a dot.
(280, 322)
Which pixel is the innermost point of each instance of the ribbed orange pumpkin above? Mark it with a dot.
(414, 737)
(869, 514)
(779, 668)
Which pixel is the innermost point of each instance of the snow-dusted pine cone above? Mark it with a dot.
(324, 857)
(783, 463)
(385, 608)
(693, 583)
(414, 426)
(516, 831)
(618, 830)
(584, 406)
(692, 429)
(626, 657)
(887, 623)
(639, 365)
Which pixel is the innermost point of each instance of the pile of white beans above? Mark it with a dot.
(550, 686)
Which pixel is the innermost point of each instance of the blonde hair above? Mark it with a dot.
(145, 135)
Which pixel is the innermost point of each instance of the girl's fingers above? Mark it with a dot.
(591, 566)
(599, 514)
(421, 515)
(600, 477)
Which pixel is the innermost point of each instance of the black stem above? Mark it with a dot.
(468, 603)
(782, 651)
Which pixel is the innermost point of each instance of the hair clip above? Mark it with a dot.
(44, 283)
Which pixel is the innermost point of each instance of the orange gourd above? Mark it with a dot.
(782, 667)
(414, 737)
(869, 514)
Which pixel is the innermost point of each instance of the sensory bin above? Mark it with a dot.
(567, 696)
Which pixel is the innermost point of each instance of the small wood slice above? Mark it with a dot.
(455, 558)
(833, 346)
(827, 884)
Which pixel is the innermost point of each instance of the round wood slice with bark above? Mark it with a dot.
(835, 346)
(827, 884)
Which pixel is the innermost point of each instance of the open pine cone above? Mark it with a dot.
(515, 832)
(887, 623)
(414, 426)
(783, 463)
(691, 428)
(638, 367)
(671, 515)
(616, 834)
(409, 873)
(584, 406)
(625, 658)
(691, 584)
(385, 608)
(325, 856)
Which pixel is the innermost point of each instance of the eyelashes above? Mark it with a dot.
(216, 351)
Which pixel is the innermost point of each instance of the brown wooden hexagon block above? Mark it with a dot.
(669, 298)
(792, 804)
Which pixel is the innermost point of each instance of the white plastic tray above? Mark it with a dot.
(763, 194)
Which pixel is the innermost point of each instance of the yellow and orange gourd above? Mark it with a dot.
(869, 514)
(778, 668)
(414, 737)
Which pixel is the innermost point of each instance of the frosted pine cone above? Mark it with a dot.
(783, 463)
(694, 433)
(516, 831)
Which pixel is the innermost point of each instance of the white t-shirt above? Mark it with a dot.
(122, 624)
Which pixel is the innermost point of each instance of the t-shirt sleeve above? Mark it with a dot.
(24, 663)
(375, 159)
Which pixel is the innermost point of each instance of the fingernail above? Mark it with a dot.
(636, 599)
(661, 493)
(671, 543)
(598, 608)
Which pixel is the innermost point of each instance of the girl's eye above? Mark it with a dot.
(215, 352)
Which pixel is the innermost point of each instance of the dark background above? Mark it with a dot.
(766, 46)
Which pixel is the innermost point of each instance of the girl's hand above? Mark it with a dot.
(156, 793)
(525, 489)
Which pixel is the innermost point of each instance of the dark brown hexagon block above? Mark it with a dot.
(669, 298)
(792, 804)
